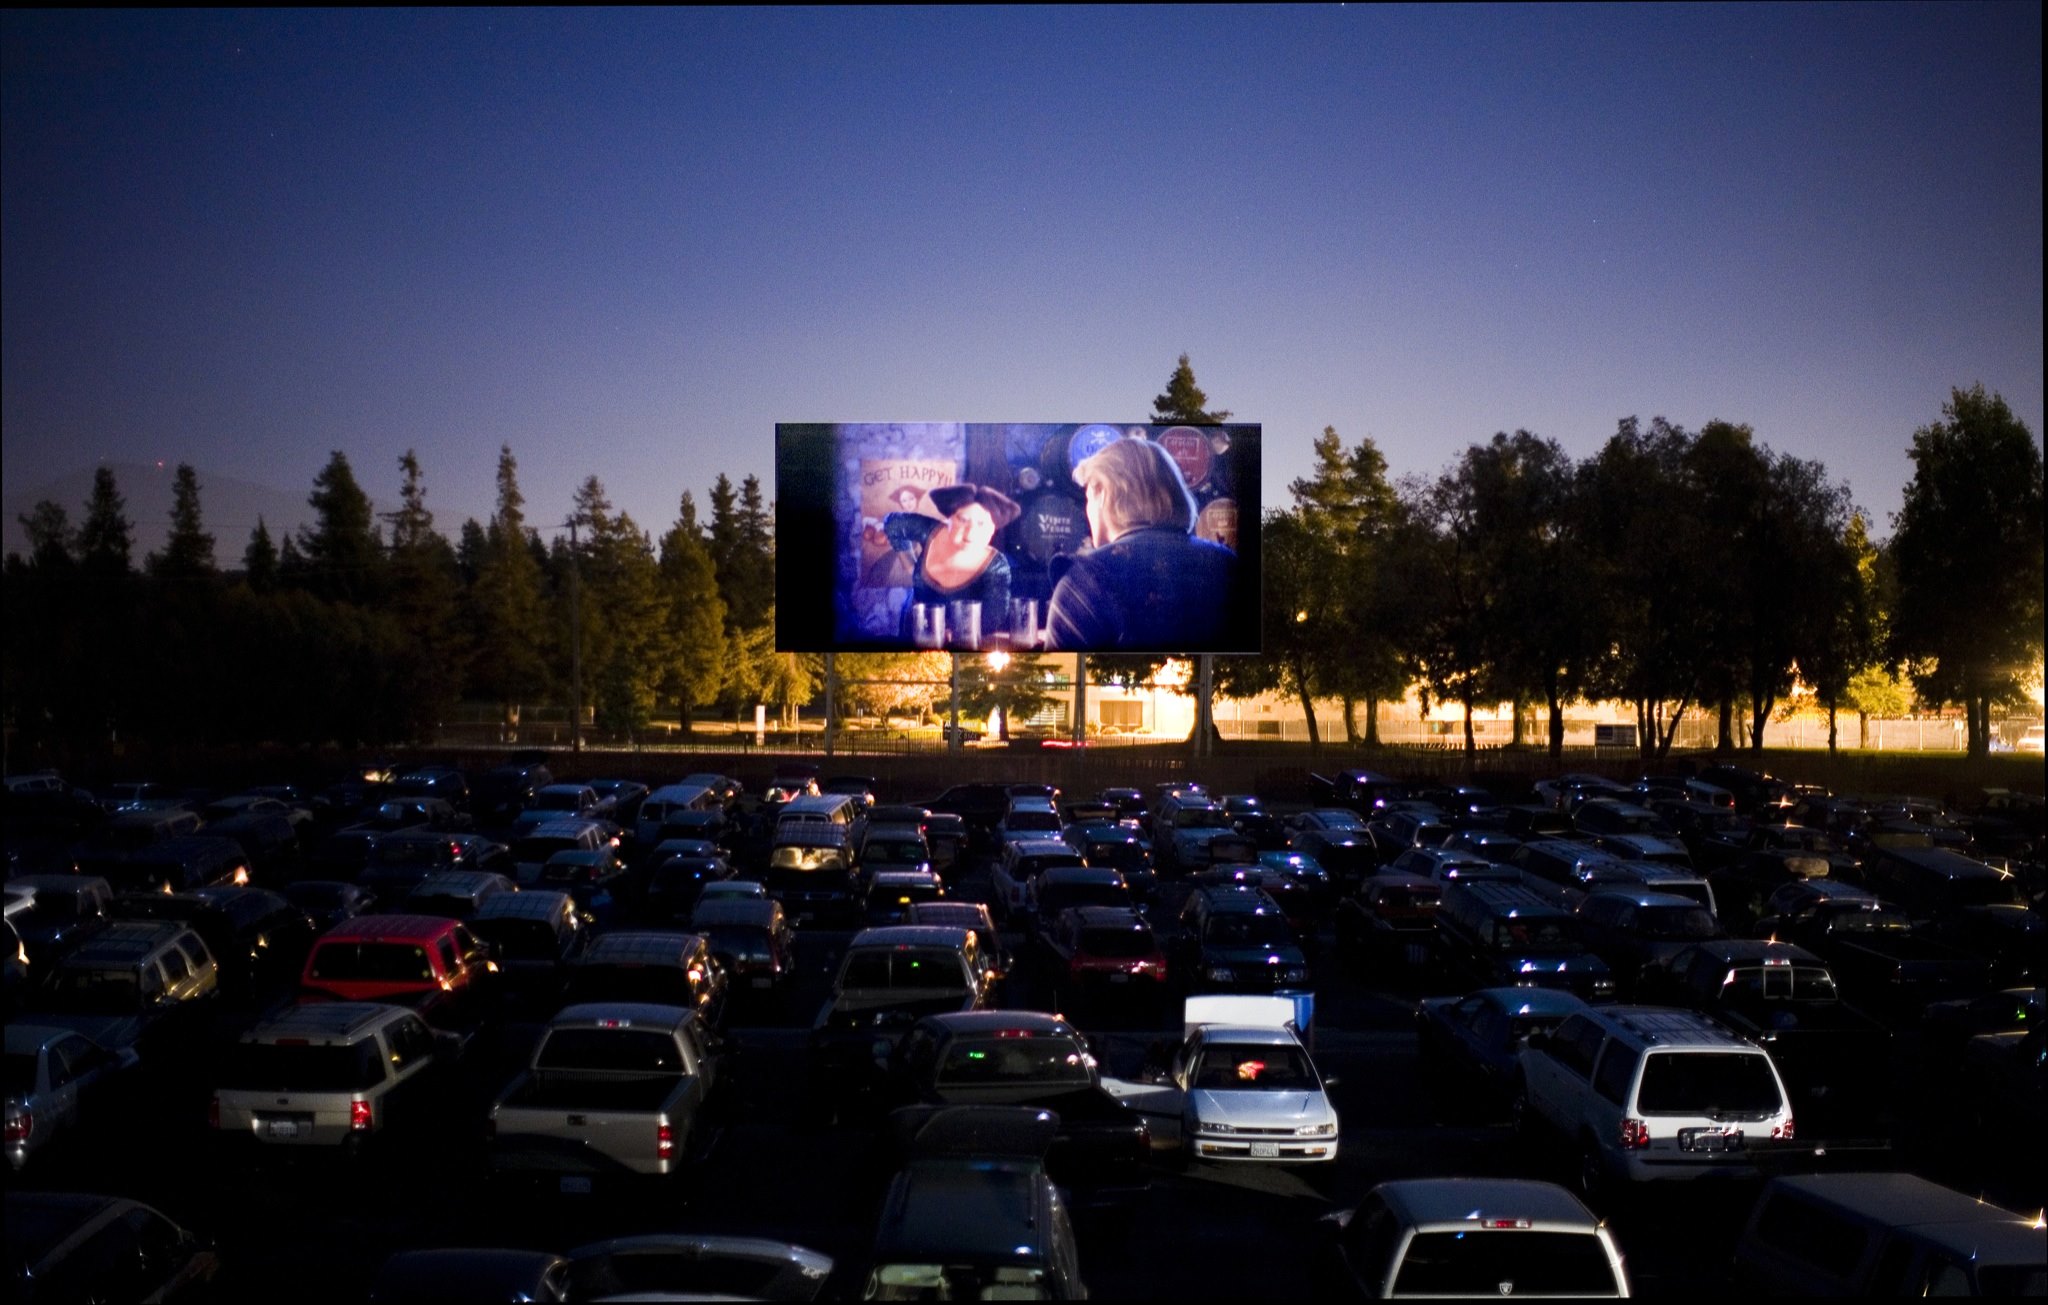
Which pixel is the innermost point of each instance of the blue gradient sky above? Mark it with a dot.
(628, 243)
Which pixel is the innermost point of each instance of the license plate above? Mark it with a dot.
(283, 1128)
(1119, 978)
(761, 981)
(1416, 953)
(1265, 1150)
(575, 1185)
(1707, 1139)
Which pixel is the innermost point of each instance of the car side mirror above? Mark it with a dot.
(1537, 1041)
(1330, 1081)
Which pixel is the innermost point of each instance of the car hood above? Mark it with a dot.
(1252, 957)
(1260, 1109)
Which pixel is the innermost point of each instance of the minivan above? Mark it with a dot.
(1438, 1237)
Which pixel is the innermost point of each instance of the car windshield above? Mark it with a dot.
(957, 1282)
(1054, 898)
(1521, 1261)
(1203, 818)
(1710, 1083)
(95, 991)
(1255, 1067)
(541, 849)
(1686, 923)
(891, 851)
(738, 941)
(972, 1061)
(277, 1067)
(1248, 930)
(546, 801)
(1757, 983)
(1533, 933)
(1031, 820)
(372, 963)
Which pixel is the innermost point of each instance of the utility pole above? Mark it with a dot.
(953, 743)
(831, 700)
(575, 640)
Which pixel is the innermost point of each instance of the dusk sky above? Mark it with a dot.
(627, 243)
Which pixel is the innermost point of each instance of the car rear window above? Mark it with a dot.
(540, 849)
(905, 967)
(972, 1061)
(1708, 1083)
(1054, 898)
(372, 962)
(621, 1050)
(1248, 930)
(520, 940)
(1685, 923)
(663, 985)
(1514, 1261)
(280, 1067)
(741, 942)
(1117, 942)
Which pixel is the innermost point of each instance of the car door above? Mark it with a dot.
(1161, 1100)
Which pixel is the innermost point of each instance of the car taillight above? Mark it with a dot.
(19, 1126)
(359, 1119)
(213, 1111)
(1783, 1132)
(1635, 1133)
(664, 1142)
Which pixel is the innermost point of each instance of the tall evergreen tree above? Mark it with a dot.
(508, 610)
(1184, 401)
(343, 557)
(106, 538)
(50, 540)
(425, 588)
(696, 666)
(188, 550)
(259, 560)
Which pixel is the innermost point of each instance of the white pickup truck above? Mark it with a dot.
(614, 1089)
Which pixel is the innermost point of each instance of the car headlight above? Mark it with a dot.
(1603, 985)
(1317, 1130)
(1215, 1128)
(1222, 974)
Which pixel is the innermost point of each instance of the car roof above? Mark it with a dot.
(996, 1021)
(638, 1012)
(527, 904)
(1756, 951)
(1543, 1003)
(1110, 917)
(389, 928)
(1645, 897)
(326, 1021)
(1464, 1203)
(641, 945)
(735, 910)
(910, 935)
(1972, 1228)
(1081, 874)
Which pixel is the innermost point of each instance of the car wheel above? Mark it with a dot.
(1592, 1176)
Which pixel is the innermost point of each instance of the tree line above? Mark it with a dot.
(1674, 570)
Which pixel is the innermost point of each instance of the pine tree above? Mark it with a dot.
(508, 613)
(259, 560)
(1184, 401)
(696, 666)
(344, 560)
(188, 551)
(106, 539)
(48, 527)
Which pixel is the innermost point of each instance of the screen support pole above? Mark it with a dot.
(1080, 697)
(953, 735)
(1205, 689)
(831, 699)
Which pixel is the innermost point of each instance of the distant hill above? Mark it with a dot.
(228, 508)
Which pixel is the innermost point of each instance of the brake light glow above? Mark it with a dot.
(664, 1141)
(213, 1111)
(1783, 1132)
(359, 1120)
(1635, 1133)
(19, 1126)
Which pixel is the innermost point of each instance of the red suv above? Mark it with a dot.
(429, 962)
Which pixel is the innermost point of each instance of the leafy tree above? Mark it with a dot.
(695, 670)
(343, 559)
(188, 551)
(893, 684)
(1835, 648)
(48, 527)
(1184, 401)
(1875, 691)
(507, 608)
(1297, 617)
(1644, 561)
(1968, 547)
(1803, 589)
(1018, 688)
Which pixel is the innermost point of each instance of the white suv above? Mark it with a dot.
(1650, 1094)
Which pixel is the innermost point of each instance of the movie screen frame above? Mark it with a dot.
(884, 543)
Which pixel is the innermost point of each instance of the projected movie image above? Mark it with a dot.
(1051, 537)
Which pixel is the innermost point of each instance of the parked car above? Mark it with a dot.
(1473, 1237)
(614, 1090)
(972, 1215)
(332, 1077)
(1472, 1045)
(888, 980)
(59, 911)
(439, 1276)
(1633, 930)
(65, 1247)
(1241, 1087)
(58, 1082)
(1235, 940)
(751, 937)
(693, 1266)
(138, 984)
(665, 967)
(1502, 935)
(1886, 1235)
(534, 938)
(1389, 923)
(430, 963)
(1097, 954)
(1645, 1094)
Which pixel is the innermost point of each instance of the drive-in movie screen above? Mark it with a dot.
(1042, 537)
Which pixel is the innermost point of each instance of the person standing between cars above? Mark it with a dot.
(956, 560)
(1146, 582)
